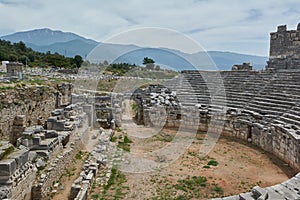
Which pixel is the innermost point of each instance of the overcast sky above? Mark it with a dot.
(224, 25)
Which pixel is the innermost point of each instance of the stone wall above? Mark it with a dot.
(34, 103)
(14, 69)
(285, 49)
(276, 139)
(287, 190)
(43, 186)
(102, 110)
(22, 190)
(57, 165)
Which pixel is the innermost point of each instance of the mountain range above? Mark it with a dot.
(70, 44)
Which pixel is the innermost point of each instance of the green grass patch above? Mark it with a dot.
(119, 129)
(6, 87)
(79, 155)
(213, 163)
(127, 140)
(218, 189)
(113, 139)
(191, 187)
(125, 144)
(95, 196)
(7, 152)
(134, 107)
(164, 137)
(114, 188)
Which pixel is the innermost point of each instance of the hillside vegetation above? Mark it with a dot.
(19, 52)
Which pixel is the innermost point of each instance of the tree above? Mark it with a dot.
(149, 63)
(105, 62)
(21, 45)
(78, 61)
(12, 57)
(147, 60)
(31, 57)
(23, 59)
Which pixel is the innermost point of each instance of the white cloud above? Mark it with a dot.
(232, 25)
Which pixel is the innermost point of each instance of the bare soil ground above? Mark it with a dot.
(239, 167)
(231, 167)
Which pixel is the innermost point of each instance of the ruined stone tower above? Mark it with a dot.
(285, 49)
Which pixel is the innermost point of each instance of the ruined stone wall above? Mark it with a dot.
(282, 142)
(42, 187)
(22, 189)
(285, 49)
(35, 103)
(101, 110)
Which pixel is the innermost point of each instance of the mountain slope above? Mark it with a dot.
(226, 59)
(70, 44)
(69, 49)
(202, 60)
(44, 37)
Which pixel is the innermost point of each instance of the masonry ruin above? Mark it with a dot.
(14, 70)
(43, 132)
(242, 67)
(284, 48)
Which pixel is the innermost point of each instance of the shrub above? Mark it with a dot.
(213, 163)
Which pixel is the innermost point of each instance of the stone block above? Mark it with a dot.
(51, 134)
(59, 125)
(19, 120)
(36, 141)
(21, 157)
(260, 193)
(7, 167)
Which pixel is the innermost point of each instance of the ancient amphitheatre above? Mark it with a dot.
(59, 143)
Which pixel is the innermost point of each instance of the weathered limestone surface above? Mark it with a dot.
(102, 111)
(17, 174)
(243, 67)
(285, 49)
(75, 126)
(33, 103)
(38, 148)
(14, 70)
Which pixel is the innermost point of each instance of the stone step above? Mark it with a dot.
(267, 105)
(275, 101)
(289, 121)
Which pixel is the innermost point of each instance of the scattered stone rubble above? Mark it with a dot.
(98, 160)
(243, 67)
